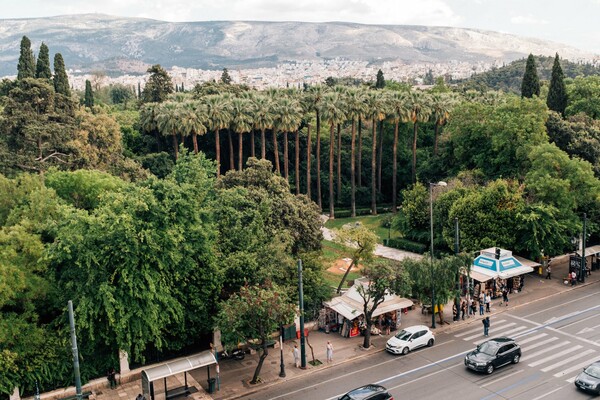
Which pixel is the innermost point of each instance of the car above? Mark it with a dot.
(493, 354)
(368, 392)
(409, 339)
(589, 379)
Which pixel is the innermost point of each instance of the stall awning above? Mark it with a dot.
(479, 276)
(389, 306)
(527, 263)
(349, 311)
(509, 273)
(590, 250)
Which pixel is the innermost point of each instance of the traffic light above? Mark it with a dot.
(497, 253)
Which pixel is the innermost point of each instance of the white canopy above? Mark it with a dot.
(178, 366)
(486, 266)
(590, 250)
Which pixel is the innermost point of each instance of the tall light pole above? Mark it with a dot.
(301, 305)
(582, 273)
(431, 185)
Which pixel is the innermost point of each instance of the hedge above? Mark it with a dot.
(408, 245)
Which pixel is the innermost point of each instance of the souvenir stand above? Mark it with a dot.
(344, 313)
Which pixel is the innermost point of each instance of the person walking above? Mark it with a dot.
(296, 352)
(454, 312)
(486, 326)
(548, 271)
(573, 278)
(481, 307)
(504, 297)
(111, 376)
(469, 306)
(329, 352)
(488, 301)
(463, 309)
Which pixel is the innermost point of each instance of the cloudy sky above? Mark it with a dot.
(573, 22)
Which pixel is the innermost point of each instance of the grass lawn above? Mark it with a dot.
(373, 222)
(331, 253)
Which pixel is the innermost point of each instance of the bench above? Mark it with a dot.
(84, 395)
(179, 391)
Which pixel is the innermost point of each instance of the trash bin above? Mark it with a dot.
(211, 385)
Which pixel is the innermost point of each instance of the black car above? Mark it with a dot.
(589, 379)
(493, 354)
(368, 392)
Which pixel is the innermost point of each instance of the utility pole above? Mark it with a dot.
(78, 392)
(457, 301)
(582, 273)
(301, 301)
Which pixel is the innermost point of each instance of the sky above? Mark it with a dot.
(572, 22)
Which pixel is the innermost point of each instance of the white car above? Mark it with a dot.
(409, 339)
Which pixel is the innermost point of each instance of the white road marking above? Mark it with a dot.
(532, 338)
(562, 304)
(501, 378)
(549, 393)
(538, 344)
(507, 333)
(554, 356)
(545, 350)
(475, 329)
(576, 367)
(566, 361)
(492, 331)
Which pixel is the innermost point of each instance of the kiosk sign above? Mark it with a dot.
(575, 264)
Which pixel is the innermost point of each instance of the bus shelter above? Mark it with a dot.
(175, 367)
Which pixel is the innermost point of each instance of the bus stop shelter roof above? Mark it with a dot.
(179, 366)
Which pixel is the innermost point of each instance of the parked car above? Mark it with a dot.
(409, 339)
(589, 379)
(368, 392)
(493, 354)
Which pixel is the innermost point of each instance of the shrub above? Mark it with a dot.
(408, 245)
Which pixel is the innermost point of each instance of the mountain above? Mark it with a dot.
(118, 45)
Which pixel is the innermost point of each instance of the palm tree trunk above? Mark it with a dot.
(297, 149)
(435, 141)
(285, 155)
(331, 155)
(352, 174)
(414, 153)
(276, 151)
(240, 150)
(394, 168)
(195, 141)
(218, 151)
(175, 146)
(263, 151)
(374, 169)
(339, 162)
(252, 140)
(231, 158)
(380, 156)
(359, 180)
(308, 149)
(319, 200)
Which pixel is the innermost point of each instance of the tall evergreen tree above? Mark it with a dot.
(61, 81)
(88, 100)
(557, 94)
(159, 85)
(139, 91)
(225, 78)
(380, 82)
(42, 70)
(26, 66)
(531, 83)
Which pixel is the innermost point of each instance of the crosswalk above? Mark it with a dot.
(552, 354)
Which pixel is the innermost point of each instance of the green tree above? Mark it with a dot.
(355, 102)
(420, 112)
(158, 86)
(361, 241)
(120, 94)
(584, 96)
(531, 83)
(413, 219)
(219, 116)
(557, 94)
(255, 313)
(400, 113)
(26, 65)
(61, 81)
(241, 123)
(316, 96)
(225, 78)
(376, 111)
(380, 80)
(332, 111)
(194, 119)
(42, 70)
(88, 99)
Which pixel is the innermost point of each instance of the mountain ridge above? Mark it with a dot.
(91, 42)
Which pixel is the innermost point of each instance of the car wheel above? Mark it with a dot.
(489, 369)
(405, 351)
(430, 343)
(516, 359)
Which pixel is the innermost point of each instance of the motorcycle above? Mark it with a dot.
(236, 354)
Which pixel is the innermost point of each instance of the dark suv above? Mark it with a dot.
(368, 392)
(493, 354)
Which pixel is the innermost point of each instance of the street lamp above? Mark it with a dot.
(431, 185)
(582, 274)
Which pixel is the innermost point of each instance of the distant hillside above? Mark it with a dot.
(128, 45)
(509, 77)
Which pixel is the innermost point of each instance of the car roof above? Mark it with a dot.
(501, 340)
(415, 328)
(365, 391)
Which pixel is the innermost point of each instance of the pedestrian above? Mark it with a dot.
(388, 325)
(469, 306)
(548, 271)
(463, 310)
(486, 326)
(480, 307)
(140, 397)
(454, 312)
(573, 278)
(329, 352)
(504, 297)
(111, 376)
(488, 300)
(296, 352)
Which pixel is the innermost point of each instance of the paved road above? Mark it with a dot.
(558, 337)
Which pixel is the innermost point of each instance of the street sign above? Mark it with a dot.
(575, 264)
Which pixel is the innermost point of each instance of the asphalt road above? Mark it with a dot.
(558, 337)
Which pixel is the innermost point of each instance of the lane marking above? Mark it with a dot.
(576, 367)
(568, 360)
(538, 344)
(493, 332)
(554, 356)
(501, 378)
(545, 350)
(514, 385)
(532, 338)
(561, 304)
(475, 330)
(507, 333)
(546, 394)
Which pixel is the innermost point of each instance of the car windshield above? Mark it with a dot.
(488, 348)
(361, 393)
(593, 370)
(403, 335)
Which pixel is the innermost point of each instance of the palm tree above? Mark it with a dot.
(332, 110)
(317, 92)
(400, 113)
(241, 122)
(218, 110)
(307, 106)
(376, 112)
(249, 95)
(355, 101)
(385, 105)
(167, 119)
(288, 119)
(263, 118)
(342, 90)
(194, 119)
(419, 113)
(441, 105)
(148, 121)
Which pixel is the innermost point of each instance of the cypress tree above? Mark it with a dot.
(42, 69)
(88, 100)
(26, 66)
(557, 94)
(531, 83)
(182, 89)
(225, 78)
(380, 82)
(158, 86)
(61, 81)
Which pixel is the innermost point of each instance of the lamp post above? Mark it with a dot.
(582, 273)
(431, 185)
(282, 365)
